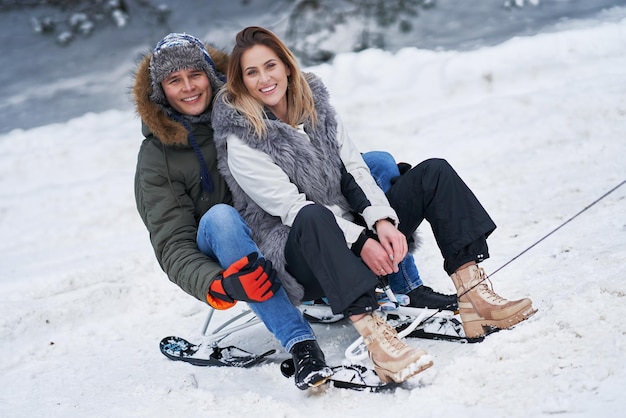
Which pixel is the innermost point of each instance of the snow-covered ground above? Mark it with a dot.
(537, 128)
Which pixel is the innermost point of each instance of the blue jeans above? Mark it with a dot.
(224, 236)
(383, 167)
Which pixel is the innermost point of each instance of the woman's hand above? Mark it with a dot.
(383, 257)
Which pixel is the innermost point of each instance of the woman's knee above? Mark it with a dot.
(311, 215)
(435, 167)
(436, 164)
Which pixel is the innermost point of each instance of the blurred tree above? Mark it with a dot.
(315, 29)
(67, 19)
(361, 23)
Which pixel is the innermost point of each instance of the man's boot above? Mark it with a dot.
(481, 307)
(310, 364)
(393, 359)
(426, 297)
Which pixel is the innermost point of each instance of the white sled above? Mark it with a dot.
(410, 322)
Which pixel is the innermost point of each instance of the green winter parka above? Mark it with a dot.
(168, 188)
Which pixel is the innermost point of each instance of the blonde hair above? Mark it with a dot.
(300, 104)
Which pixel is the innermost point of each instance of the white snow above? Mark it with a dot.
(537, 128)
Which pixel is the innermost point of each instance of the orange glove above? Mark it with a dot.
(250, 279)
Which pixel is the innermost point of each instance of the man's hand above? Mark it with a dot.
(250, 279)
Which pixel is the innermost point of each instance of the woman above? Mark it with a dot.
(316, 212)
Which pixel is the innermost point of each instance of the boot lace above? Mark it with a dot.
(485, 288)
(388, 334)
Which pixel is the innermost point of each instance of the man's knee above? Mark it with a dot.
(220, 214)
(376, 158)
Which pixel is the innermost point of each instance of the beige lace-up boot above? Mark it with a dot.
(481, 307)
(393, 359)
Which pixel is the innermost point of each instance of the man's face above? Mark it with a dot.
(188, 91)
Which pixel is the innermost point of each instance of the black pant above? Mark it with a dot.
(318, 257)
(432, 190)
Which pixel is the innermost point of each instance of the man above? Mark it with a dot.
(199, 239)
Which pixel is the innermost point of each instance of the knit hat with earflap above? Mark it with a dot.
(178, 51)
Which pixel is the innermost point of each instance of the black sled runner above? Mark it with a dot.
(353, 376)
(179, 349)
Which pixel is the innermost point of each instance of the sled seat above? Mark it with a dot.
(413, 322)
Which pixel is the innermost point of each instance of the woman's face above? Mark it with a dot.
(265, 78)
(188, 91)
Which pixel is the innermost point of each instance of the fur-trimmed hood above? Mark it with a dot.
(153, 118)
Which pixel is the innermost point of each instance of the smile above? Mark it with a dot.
(191, 99)
(269, 89)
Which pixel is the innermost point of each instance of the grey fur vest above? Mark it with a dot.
(313, 166)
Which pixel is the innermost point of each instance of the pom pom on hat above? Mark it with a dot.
(178, 51)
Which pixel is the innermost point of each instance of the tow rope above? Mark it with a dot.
(559, 227)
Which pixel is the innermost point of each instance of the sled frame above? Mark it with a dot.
(247, 318)
(241, 321)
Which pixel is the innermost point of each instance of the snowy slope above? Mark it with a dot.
(90, 75)
(536, 126)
